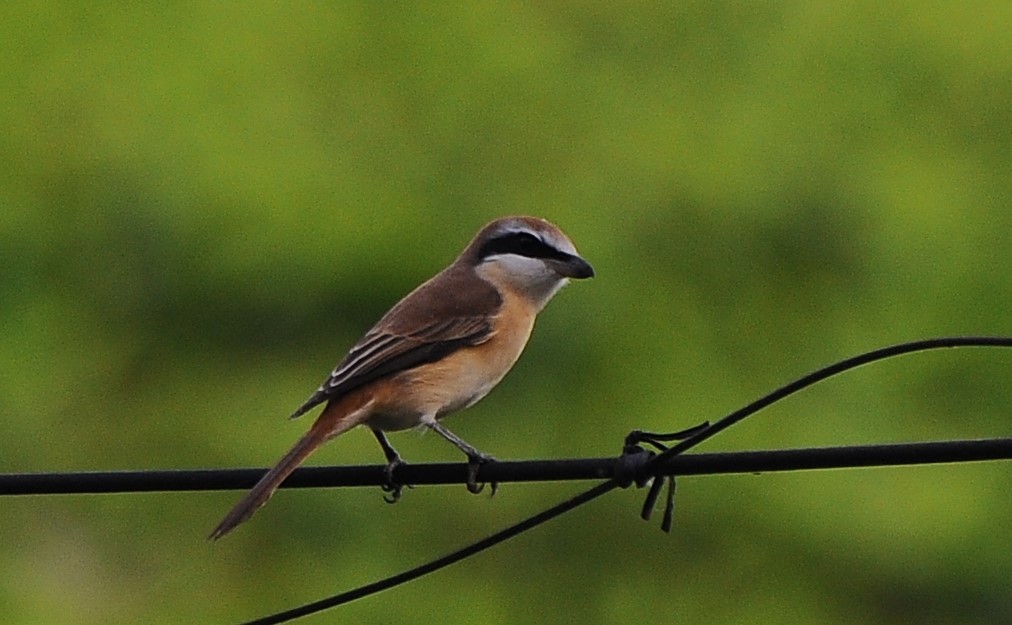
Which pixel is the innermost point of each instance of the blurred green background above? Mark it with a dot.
(205, 204)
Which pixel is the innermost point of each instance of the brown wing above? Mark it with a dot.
(450, 311)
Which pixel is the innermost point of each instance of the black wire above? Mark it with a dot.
(650, 466)
(434, 565)
(759, 461)
(822, 374)
(897, 454)
(94, 482)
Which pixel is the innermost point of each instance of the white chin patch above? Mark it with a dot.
(522, 268)
(527, 275)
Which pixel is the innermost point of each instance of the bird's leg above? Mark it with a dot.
(390, 487)
(475, 458)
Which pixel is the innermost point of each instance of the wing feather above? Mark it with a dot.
(398, 342)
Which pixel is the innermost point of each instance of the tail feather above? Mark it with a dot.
(262, 491)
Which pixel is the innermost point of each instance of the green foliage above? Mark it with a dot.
(204, 204)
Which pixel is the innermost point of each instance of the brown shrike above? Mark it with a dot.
(440, 349)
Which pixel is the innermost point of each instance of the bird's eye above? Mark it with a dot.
(527, 244)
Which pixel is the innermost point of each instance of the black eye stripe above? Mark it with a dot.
(521, 244)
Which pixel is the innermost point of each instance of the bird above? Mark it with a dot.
(439, 350)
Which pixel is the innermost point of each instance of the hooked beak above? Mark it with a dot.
(573, 267)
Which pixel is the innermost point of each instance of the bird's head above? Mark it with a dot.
(526, 255)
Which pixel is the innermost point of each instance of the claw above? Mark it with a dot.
(392, 492)
(390, 486)
(473, 465)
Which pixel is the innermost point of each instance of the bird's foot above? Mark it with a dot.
(390, 486)
(474, 462)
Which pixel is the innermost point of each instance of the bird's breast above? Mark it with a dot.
(462, 377)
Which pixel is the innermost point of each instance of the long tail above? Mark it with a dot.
(259, 494)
